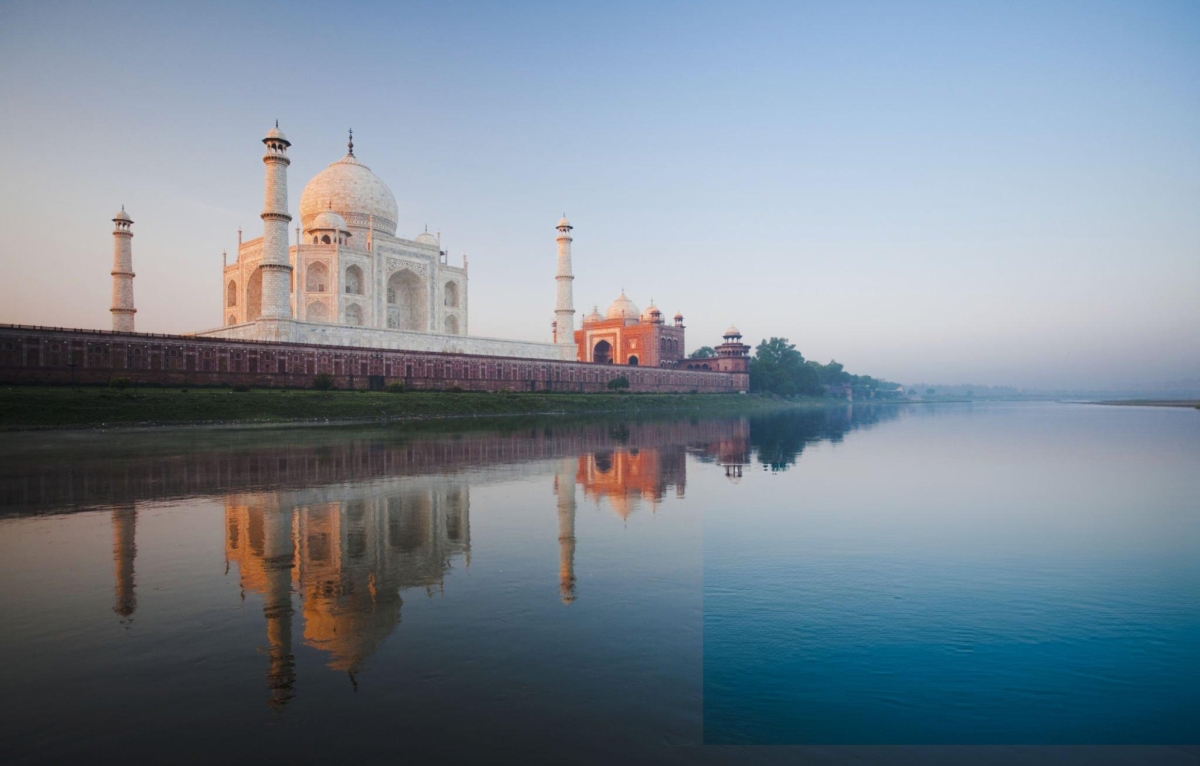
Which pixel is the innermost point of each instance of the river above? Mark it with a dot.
(1003, 581)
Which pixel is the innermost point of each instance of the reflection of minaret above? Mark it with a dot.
(278, 555)
(124, 523)
(564, 487)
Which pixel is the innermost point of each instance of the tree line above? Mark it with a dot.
(777, 367)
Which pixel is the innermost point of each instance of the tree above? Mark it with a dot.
(929, 392)
(704, 352)
(323, 381)
(778, 368)
(616, 384)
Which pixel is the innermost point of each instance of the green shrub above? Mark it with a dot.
(119, 383)
(618, 384)
(323, 381)
(241, 388)
(455, 389)
(397, 387)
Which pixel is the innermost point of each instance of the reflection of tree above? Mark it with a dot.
(779, 439)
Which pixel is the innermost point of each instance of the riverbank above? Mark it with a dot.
(36, 407)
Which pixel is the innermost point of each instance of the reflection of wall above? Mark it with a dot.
(95, 471)
(348, 552)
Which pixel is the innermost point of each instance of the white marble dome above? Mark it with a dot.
(595, 316)
(122, 216)
(353, 191)
(425, 238)
(623, 308)
(651, 314)
(733, 332)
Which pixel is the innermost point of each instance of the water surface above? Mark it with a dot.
(666, 590)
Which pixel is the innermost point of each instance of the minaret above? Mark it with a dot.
(564, 309)
(564, 487)
(124, 525)
(122, 273)
(276, 266)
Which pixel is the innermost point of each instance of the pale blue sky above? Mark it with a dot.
(1003, 193)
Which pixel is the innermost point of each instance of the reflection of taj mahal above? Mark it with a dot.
(340, 554)
(349, 557)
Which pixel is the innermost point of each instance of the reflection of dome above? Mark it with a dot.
(623, 308)
(327, 219)
(351, 189)
(595, 316)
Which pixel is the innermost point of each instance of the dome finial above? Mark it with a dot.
(351, 142)
(277, 123)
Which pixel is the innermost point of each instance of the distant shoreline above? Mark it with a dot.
(1193, 403)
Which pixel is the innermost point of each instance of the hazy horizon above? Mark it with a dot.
(1003, 195)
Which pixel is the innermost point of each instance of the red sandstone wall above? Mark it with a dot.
(56, 355)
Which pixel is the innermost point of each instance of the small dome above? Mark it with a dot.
(595, 316)
(122, 216)
(651, 314)
(563, 222)
(733, 332)
(425, 238)
(623, 308)
(327, 219)
(275, 134)
(678, 316)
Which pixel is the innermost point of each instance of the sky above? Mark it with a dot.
(992, 193)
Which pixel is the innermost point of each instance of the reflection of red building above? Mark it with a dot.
(625, 336)
(626, 476)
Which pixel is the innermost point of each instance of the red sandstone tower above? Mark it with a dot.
(733, 355)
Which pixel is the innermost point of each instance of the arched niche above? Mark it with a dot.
(254, 296)
(602, 352)
(316, 277)
(408, 304)
(354, 281)
(317, 311)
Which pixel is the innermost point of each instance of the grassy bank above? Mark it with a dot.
(33, 407)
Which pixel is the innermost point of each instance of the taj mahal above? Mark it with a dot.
(343, 294)
(347, 278)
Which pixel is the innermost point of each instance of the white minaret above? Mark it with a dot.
(276, 266)
(122, 273)
(564, 309)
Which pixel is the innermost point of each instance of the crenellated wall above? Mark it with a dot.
(57, 355)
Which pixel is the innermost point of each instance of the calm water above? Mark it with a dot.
(670, 591)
